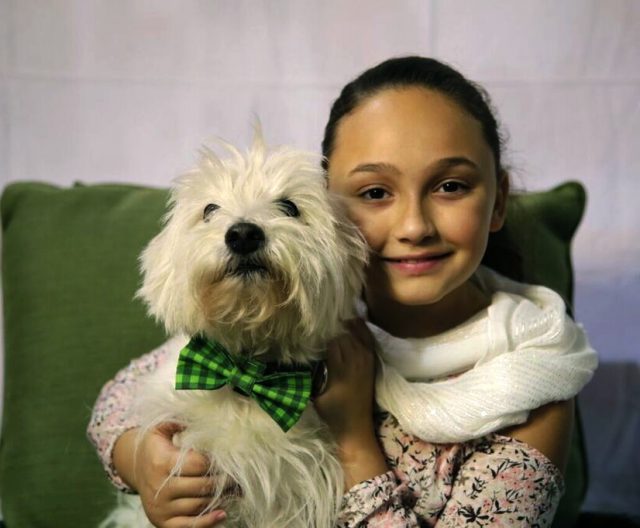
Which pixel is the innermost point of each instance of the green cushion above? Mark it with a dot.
(69, 275)
(69, 271)
(535, 244)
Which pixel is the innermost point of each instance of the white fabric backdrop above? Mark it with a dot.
(126, 90)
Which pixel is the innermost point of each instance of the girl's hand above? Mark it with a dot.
(169, 502)
(347, 404)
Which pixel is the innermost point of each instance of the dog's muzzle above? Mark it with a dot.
(244, 240)
(248, 267)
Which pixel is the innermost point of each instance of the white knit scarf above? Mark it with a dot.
(518, 354)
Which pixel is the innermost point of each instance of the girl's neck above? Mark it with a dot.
(427, 320)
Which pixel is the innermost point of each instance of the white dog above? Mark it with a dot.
(258, 260)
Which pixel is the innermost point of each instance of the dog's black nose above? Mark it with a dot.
(244, 238)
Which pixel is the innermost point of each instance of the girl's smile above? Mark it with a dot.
(420, 182)
(417, 264)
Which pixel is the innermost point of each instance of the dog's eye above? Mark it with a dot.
(288, 208)
(210, 208)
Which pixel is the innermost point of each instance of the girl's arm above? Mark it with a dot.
(374, 493)
(548, 430)
(347, 404)
(501, 480)
(504, 482)
(110, 418)
(375, 497)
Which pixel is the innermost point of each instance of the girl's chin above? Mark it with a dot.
(416, 292)
(419, 290)
(410, 298)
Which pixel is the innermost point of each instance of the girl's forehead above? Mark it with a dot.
(407, 125)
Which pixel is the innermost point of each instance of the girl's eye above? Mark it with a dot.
(210, 208)
(288, 208)
(453, 187)
(376, 193)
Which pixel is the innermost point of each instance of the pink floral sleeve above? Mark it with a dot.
(504, 482)
(492, 481)
(110, 417)
(383, 501)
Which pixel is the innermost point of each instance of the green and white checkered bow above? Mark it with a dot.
(206, 365)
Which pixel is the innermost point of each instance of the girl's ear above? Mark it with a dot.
(500, 205)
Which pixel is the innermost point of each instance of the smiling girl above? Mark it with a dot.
(413, 148)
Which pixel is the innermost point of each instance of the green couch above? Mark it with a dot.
(69, 273)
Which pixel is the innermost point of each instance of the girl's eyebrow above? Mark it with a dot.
(386, 168)
(454, 161)
(438, 166)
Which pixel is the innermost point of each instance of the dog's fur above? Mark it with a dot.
(283, 302)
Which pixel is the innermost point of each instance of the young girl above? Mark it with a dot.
(415, 150)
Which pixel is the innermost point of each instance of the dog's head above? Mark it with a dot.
(256, 253)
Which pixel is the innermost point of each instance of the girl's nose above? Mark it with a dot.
(413, 223)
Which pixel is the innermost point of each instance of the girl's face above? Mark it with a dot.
(419, 181)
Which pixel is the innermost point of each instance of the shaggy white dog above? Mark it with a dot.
(257, 256)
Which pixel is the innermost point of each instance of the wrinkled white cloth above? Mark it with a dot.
(518, 354)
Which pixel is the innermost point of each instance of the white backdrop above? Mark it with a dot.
(126, 90)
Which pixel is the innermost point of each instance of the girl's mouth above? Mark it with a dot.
(417, 265)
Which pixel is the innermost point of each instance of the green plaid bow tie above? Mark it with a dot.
(205, 364)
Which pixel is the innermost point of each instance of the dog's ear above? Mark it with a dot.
(355, 252)
(346, 275)
(164, 290)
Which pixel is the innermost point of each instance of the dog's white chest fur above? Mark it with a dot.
(291, 479)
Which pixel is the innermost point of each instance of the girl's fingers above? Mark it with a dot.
(359, 328)
(183, 487)
(168, 429)
(193, 465)
(188, 506)
(212, 519)
(351, 352)
(334, 354)
(193, 487)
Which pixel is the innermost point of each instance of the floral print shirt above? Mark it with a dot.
(491, 481)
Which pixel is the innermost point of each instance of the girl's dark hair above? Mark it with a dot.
(422, 72)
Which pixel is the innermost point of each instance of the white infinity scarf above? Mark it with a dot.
(520, 353)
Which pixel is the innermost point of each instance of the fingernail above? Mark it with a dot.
(221, 516)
